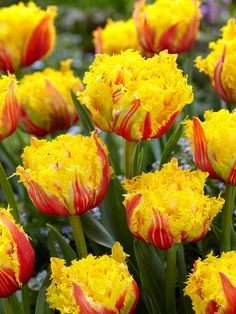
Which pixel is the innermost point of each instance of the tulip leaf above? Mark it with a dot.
(137, 160)
(83, 114)
(95, 231)
(152, 276)
(67, 251)
(11, 305)
(51, 245)
(41, 304)
(170, 145)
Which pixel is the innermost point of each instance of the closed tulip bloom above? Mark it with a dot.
(212, 285)
(9, 106)
(116, 37)
(169, 206)
(46, 102)
(213, 144)
(27, 34)
(66, 176)
(134, 97)
(93, 285)
(16, 255)
(167, 24)
(219, 65)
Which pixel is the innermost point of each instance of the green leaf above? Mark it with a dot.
(152, 275)
(95, 231)
(41, 304)
(67, 251)
(51, 245)
(137, 160)
(83, 114)
(11, 305)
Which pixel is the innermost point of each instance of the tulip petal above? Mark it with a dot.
(166, 126)
(98, 40)
(6, 62)
(230, 294)
(168, 38)
(232, 175)
(212, 307)
(8, 282)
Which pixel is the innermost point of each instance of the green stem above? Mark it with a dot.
(129, 150)
(9, 193)
(25, 299)
(170, 280)
(227, 215)
(78, 234)
(7, 307)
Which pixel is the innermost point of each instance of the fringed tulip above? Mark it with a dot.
(167, 24)
(16, 255)
(213, 144)
(93, 285)
(9, 106)
(116, 37)
(212, 285)
(46, 101)
(66, 176)
(27, 34)
(169, 206)
(134, 97)
(219, 65)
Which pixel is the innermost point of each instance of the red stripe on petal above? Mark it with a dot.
(136, 296)
(98, 40)
(232, 175)
(84, 198)
(166, 126)
(212, 307)
(6, 62)
(167, 39)
(147, 127)
(200, 149)
(8, 283)
(230, 294)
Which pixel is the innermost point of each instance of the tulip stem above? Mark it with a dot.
(129, 150)
(78, 234)
(9, 193)
(170, 280)
(227, 215)
(25, 299)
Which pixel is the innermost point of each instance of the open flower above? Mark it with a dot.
(116, 37)
(93, 285)
(134, 97)
(212, 285)
(167, 24)
(16, 255)
(219, 65)
(169, 206)
(27, 34)
(66, 176)
(9, 107)
(46, 102)
(213, 144)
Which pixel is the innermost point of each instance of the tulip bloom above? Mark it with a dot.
(213, 144)
(169, 206)
(35, 35)
(116, 37)
(212, 285)
(134, 97)
(167, 24)
(9, 107)
(46, 102)
(66, 176)
(219, 64)
(93, 285)
(16, 255)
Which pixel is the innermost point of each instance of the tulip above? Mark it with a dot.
(220, 62)
(16, 255)
(217, 272)
(167, 24)
(35, 35)
(46, 102)
(115, 37)
(169, 206)
(66, 176)
(93, 285)
(134, 97)
(9, 107)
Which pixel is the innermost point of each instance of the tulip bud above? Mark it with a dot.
(167, 24)
(134, 97)
(213, 144)
(16, 255)
(35, 35)
(46, 102)
(217, 272)
(9, 107)
(66, 176)
(220, 62)
(93, 285)
(116, 37)
(169, 206)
